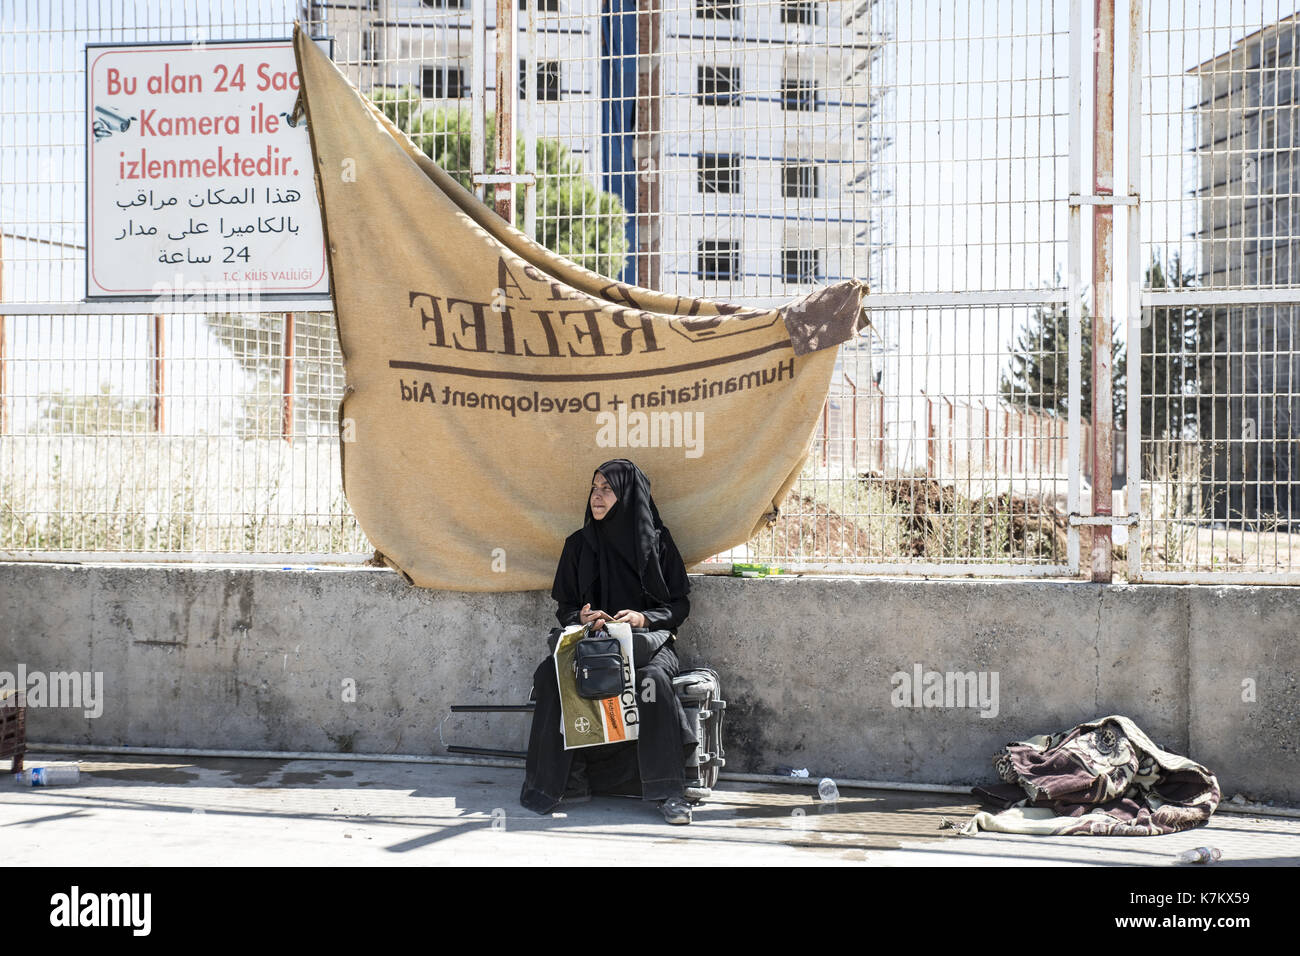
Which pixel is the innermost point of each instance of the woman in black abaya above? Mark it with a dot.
(621, 565)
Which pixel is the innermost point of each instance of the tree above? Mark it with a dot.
(574, 218)
(99, 413)
(1037, 376)
(1177, 363)
(1178, 357)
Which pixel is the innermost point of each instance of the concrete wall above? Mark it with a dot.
(245, 658)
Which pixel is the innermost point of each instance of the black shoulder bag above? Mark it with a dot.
(598, 667)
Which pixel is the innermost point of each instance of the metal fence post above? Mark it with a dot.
(1103, 218)
(504, 164)
(649, 125)
(286, 383)
(158, 376)
(529, 118)
(1133, 458)
(477, 91)
(1074, 284)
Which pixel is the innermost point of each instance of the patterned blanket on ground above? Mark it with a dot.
(1104, 777)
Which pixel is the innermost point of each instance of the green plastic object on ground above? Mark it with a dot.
(754, 570)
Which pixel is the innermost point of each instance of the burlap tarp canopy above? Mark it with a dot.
(487, 377)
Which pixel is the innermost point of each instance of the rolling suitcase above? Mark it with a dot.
(700, 692)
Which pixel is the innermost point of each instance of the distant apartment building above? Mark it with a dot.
(1248, 180)
(771, 124)
(740, 137)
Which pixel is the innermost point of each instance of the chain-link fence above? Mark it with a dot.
(745, 152)
(1220, 406)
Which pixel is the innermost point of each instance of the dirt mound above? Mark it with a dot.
(812, 530)
(934, 522)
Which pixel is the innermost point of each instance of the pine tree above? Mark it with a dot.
(1177, 361)
(1037, 375)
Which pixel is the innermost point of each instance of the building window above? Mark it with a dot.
(548, 81)
(719, 259)
(718, 86)
(799, 94)
(1266, 276)
(719, 172)
(446, 4)
(543, 6)
(799, 12)
(443, 83)
(800, 265)
(1268, 133)
(799, 181)
(717, 10)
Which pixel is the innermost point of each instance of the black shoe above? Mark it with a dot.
(676, 810)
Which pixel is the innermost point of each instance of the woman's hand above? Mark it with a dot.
(635, 618)
(596, 619)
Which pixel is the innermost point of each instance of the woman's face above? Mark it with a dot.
(602, 497)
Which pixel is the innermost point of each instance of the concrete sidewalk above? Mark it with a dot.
(206, 811)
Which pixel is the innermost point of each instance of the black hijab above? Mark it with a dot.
(622, 550)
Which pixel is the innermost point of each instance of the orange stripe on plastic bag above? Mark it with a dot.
(613, 720)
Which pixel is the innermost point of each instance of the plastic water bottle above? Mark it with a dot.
(49, 777)
(828, 792)
(1202, 854)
